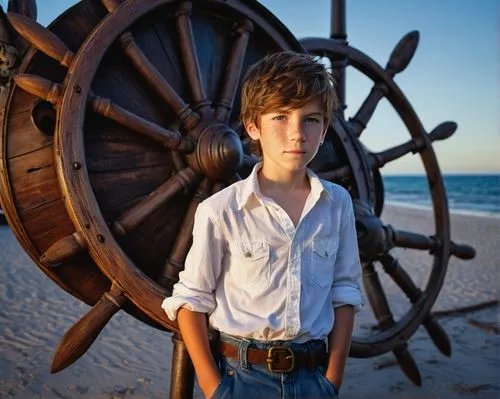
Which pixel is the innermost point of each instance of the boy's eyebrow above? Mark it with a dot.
(278, 111)
(286, 111)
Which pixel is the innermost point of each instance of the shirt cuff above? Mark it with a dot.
(347, 295)
(172, 305)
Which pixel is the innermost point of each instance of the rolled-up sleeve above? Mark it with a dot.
(197, 282)
(346, 287)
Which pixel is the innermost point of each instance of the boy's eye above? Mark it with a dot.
(314, 120)
(279, 117)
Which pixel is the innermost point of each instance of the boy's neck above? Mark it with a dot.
(272, 180)
(289, 190)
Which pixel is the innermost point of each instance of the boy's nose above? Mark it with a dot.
(297, 133)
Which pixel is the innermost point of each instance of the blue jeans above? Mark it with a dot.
(241, 379)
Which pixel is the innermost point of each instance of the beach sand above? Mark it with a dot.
(132, 360)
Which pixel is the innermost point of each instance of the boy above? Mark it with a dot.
(274, 262)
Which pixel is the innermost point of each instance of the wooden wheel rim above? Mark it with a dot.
(404, 328)
(79, 198)
(8, 198)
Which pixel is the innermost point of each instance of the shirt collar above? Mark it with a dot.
(250, 187)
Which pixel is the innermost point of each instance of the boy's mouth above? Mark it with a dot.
(294, 152)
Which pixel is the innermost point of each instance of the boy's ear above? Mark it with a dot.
(323, 135)
(252, 130)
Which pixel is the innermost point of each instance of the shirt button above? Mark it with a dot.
(248, 254)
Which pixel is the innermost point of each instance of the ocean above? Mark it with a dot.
(467, 194)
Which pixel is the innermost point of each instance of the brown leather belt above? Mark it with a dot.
(279, 359)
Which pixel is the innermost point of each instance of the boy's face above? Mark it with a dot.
(290, 138)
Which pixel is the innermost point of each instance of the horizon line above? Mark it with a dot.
(443, 174)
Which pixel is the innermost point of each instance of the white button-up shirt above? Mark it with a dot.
(260, 277)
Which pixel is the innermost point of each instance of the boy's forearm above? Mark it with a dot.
(339, 342)
(193, 326)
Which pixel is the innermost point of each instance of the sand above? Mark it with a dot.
(132, 360)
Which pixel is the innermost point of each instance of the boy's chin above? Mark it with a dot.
(291, 164)
(298, 163)
(295, 166)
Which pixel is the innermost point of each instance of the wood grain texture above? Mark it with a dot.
(83, 333)
(41, 38)
(29, 186)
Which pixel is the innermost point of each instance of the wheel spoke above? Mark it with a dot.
(63, 250)
(110, 5)
(41, 38)
(52, 92)
(376, 296)
(416, 145)
(26, 8)
(393, 268)
(378, 301)
(359, 121)
(158, 82)
(189, 58)
(398, 60)
(402, 53)
(462, 251)
(233, 71)
(407, 363)
(83, 333)
(183, 181)
(40, 87)
(407, 239)
(170, 139)
(175, 263)
(338, 18)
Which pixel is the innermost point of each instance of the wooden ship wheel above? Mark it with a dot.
(358, 169)
(124, 115)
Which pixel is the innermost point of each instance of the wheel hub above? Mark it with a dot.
(373, 237)
(219, 153)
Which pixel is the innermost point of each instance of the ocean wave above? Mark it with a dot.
(477, 195)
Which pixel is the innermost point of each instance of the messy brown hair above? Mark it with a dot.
(286, 80)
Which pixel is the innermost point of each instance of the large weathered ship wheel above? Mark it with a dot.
(359, 170)
(127, 118)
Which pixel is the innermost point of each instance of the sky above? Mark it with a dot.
(454, 75)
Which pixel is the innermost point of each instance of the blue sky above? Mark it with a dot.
(454, 74)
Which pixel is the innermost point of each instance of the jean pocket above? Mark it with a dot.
(321, 267)
(326, 383)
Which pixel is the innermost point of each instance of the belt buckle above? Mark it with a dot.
(272, 354)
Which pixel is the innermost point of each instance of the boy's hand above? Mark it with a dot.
(330, 376)
(210, 385)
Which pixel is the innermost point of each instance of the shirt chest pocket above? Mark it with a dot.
(321, 266)
(250, 267)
